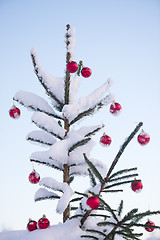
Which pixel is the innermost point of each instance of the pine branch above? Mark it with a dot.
(89, 236)
(45, 129)
(94, 169)
(120, 178)
(146, 226)
(79, 144)
(46, 164)
(129, 235)
(139, 216)
(106, 223)
(96, 231)
(94, 131)
(49, 93)
(82, 194)
(47, 198)
(122, 150)
(89, 111)
(130, 215)
(120, 208)
(112, 191)
(76, 199)
(67, 78)
(99, 215)
(76, 216)
(92, 178)
(39, 141)
(122, 171)
(79, 68)
(37, 109)
(108, 208)
(119, 183)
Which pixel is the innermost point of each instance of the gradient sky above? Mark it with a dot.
(118, 39)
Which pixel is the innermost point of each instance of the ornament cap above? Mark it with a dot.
(89, 195)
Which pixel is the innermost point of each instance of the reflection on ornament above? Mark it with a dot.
(149, 229)
(43, 222)
(143, 138)
(136, 186)
(34, 177)
(14, 112)
(105, 140)
(93, 202)
(86, 72)
(72, 67)
(115, 108)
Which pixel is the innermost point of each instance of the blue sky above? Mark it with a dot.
(119, 39)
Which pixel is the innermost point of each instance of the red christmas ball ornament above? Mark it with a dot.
(86, 72)
(32, 225)
(34, 177)
(14, 112)
(105, 140)
(149, 229)
(93, 202)
(136, 186)
(143, 138)
(43, 222)
(115, 108)
(72, 67)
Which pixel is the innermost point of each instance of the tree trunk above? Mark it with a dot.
(66, 213)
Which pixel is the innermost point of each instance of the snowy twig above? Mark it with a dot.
(122, 149)
(34, 60)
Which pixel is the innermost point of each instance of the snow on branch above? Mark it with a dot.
(71, 147)
(61, 187)
(95, 96)
(41, 137)
(43, 194)
(71, 36)
(74, 86)
(35, 103)
(48, 124)
(42, 157)
(53, 86)
(74, 113)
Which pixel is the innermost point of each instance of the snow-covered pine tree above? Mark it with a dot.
(69, 151)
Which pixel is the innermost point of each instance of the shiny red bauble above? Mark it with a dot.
(149, 229)
(34, 177)
(143, 138)
(105, 140)
(136, 186)
(72, 67)
(43, 222)
(115, 108)
(32, 225)
(14, 112)
(86, 72)
(93, 202)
